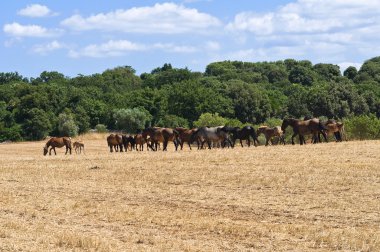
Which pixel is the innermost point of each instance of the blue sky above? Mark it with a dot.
(86, 37)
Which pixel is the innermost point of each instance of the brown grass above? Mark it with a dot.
(301, 198)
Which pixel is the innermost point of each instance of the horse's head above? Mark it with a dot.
(260, 130)
(45, 150)
(285, 124)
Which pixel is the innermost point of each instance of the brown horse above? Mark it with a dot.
(269, 133)
(163, 135)
(78, 146)
(115, 141)
(302, 128)
(333, 128)
(185, 136)
(139, 142)
(57, 142)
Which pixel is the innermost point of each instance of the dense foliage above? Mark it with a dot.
(238, 92)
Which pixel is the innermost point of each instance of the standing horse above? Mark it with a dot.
(269, 133)
(302, 128)
(115, 141)
(128, 140)
(211, 135)
(163, 135)
(57, 142)
(333, 128)
(244, 133)
(78, 145)
(185, 136)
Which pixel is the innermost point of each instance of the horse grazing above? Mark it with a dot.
(57, 142)
(304, 127)
(78, 146)
(185, 136)
(269, 133)
(244, 133)
(211, 135)
(115, 141)
(163, 135)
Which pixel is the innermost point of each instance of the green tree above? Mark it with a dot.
(37, 125)
(132, 120)
(210, 120)
(67, 125)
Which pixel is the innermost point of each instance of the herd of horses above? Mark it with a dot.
(208, 137)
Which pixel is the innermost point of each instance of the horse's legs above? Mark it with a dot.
(54, 151)
(241, 142)
(293, 136)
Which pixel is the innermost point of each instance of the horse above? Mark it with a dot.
(333, 128)
(185, 136)
(128, 139)
(304, 127)
(211, 135)
(115, 141)
(78, 145)
(269, 133)
(163, 135)
(57, 142)
(139, 141)
(244, 133)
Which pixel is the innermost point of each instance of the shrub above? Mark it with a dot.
(66, 125)
(362, 127)
(132, 120)
(101, 128)
(211, 120)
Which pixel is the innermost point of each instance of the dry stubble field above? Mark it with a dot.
(300, 198)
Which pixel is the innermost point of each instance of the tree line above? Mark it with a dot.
(233, 92)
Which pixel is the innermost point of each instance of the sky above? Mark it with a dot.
(88, 37)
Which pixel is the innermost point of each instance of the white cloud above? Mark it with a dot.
(165, 18)
(213, 46)
(318, 30)
(18, 30)
(44, 49)
(36, 10)
(111, 48)
(114, 48)
(310, 16)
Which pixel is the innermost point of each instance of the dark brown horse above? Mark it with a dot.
(115, 141)
(185, 136)
(57, 142)
(163, 135)
(304, 127)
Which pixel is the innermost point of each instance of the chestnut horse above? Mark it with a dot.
(269, 133)
(302, 128)
(78, 146)
(57, 142)
(163, 135)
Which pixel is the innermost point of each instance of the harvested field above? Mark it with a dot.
(319, 197)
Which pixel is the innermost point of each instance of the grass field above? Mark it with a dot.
(297, 198)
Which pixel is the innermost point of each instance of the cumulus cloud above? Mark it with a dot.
(310, 16)
(113, 48)
(36, 10)
(311, 29)
(17, 30)
(109, 49)
(44, 49)
(165, 18)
